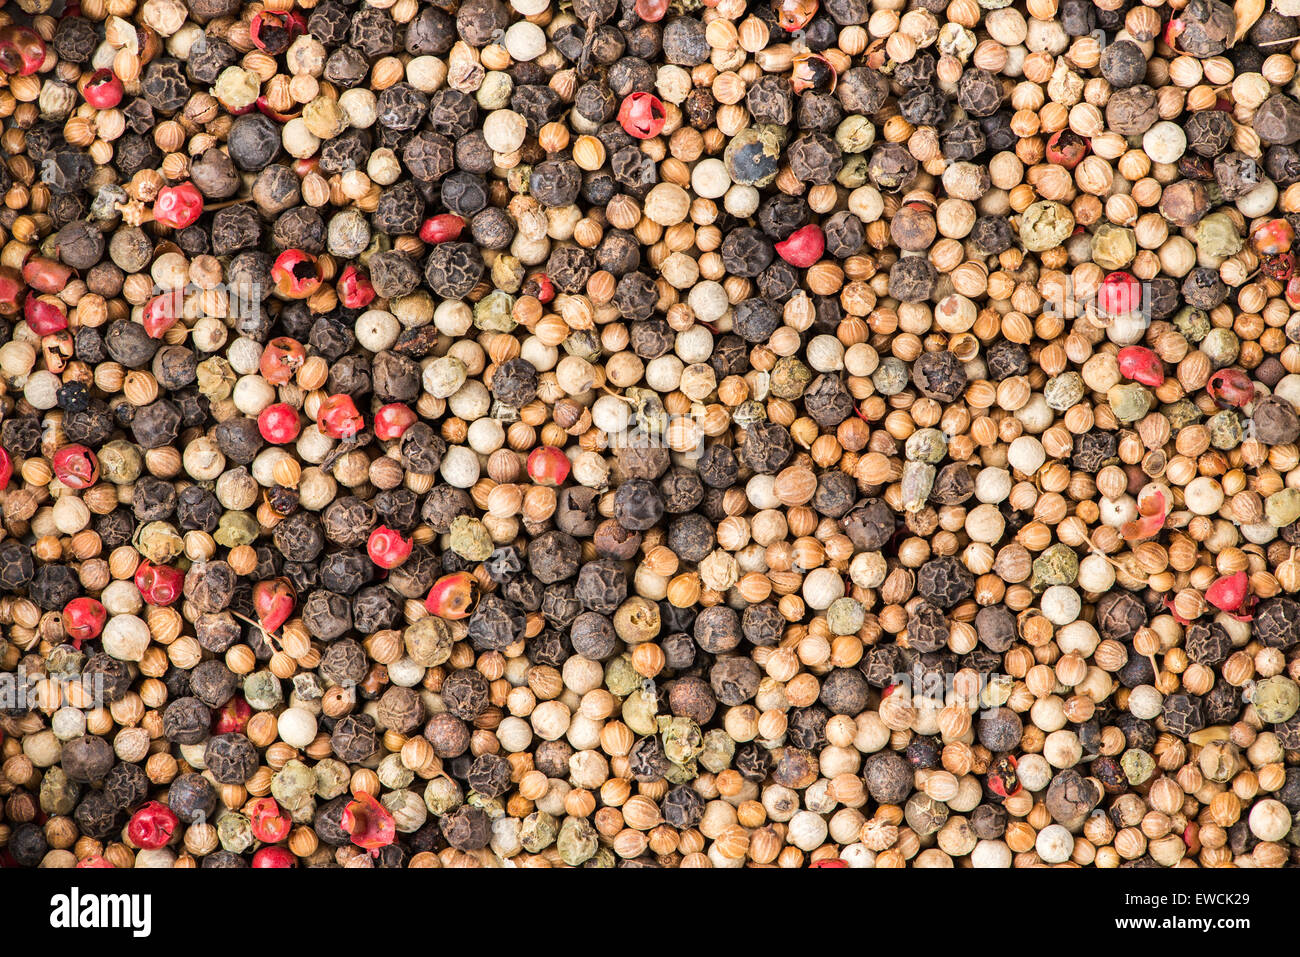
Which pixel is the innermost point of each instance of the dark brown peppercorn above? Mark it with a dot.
(495, 624)
(186, 721)
(1277, 622)
(514, 383)
(767, 447)
(230, 758)
(999, 729)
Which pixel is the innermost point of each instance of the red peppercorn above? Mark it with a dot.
(548, 465)
(94, 861)
(338, 417)
(103, 90)
(354, 289)
(265, 108)
(1280, 267)
(152, 826)
(392, 420)
(814, 72)
(6, 469)
(1231, 388)
(44, 317)
(278, 423)
(269, 824)
(11, 287)
(274, 601)
(1293, 292)
(1227, 593)
(442, 228)
(1003, 780)
(642, 115)
(794, 15)
(1067, 148)
(1272, 236)
(296, 274)
(76, 466)
(159, 584)
(803, 247)
(452, 596)
(83, 619)
(1141, 365)
(275, 856)
(46, 275)
(232, 717)
(178, 206)
(540, 287)
(387, 547)
(22, 51)
(651, 11)
(281, 360)
(1120, 293)
(273, 31)
(162, 312)
(835, 862)
(369, 822)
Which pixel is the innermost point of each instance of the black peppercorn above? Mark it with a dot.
(454, 269)
(746, 252)
(767, 447)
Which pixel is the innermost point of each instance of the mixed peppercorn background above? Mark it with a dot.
(685, 433)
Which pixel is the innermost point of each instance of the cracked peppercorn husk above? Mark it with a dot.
(875, 440)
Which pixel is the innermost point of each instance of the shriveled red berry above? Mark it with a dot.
(1231, 388)
(803, 247)
(651, 11)
(1227, 593)
(794, 14)
(162, 312)
(22, 51)
(232, 717)
(338, 417)
(76, 466)
(44, 316)
(1273, 236)
(642, 115)
(281, 360)
(178, 206)
(296, 274)
(1067, 148)
(152, 826)
(1141, 365)
(274, 601)
(159, 584)
(46, 275)
(370, 823)
(354, 289)
(814, 72)
(540, 287)
(6, 469)
(269, 824)
(11, 287)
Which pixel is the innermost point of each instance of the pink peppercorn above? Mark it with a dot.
(803, 247)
